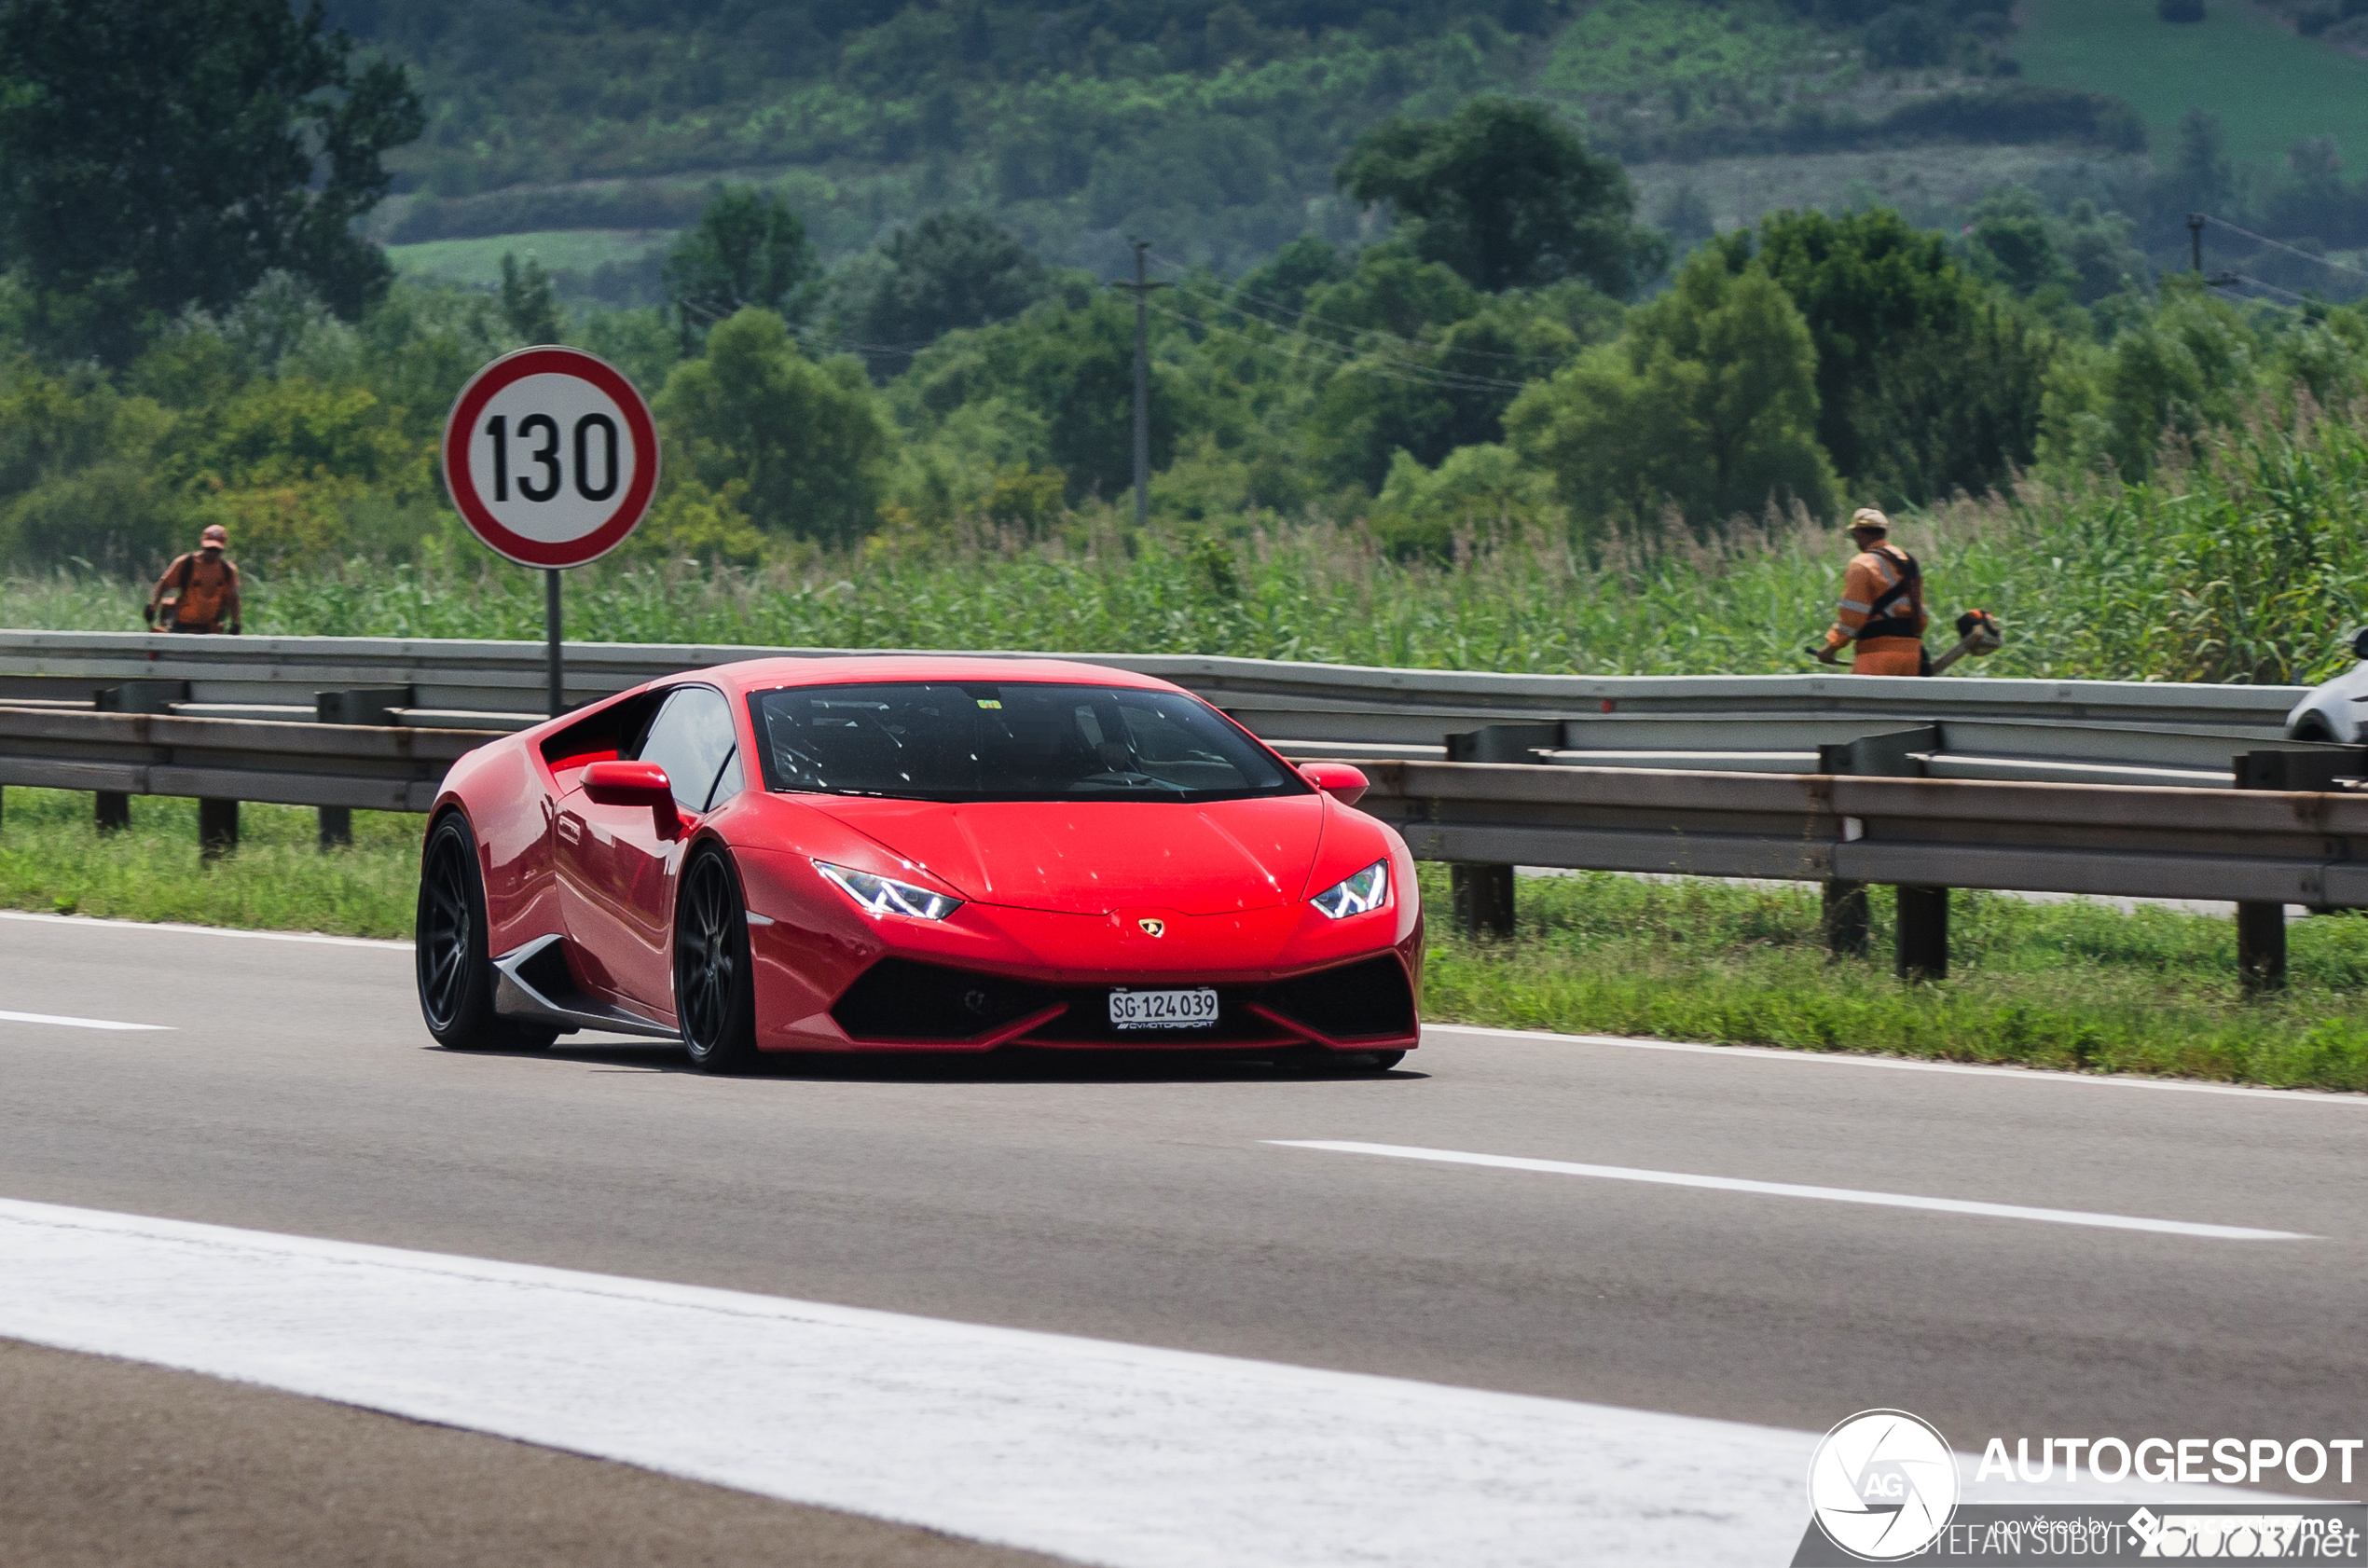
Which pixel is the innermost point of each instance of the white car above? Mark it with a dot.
(2335, 711)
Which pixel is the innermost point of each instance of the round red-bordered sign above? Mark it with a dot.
(551, 456)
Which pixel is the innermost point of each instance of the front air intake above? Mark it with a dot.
(900, 999)
(1368, 1001)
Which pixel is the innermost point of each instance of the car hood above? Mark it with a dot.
(1097, 856)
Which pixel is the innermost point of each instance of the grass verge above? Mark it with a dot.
(2078, 986)
(2081, 987)
(53, 857)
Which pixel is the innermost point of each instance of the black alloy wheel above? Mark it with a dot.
(454, 970)
(714, 990)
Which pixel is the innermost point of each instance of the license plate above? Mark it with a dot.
(1195, 1008)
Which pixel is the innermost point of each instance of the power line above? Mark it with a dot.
(2256, 283)
(1461, 380)
(1348, 357)
(1301, 316)
(2280, 244)
(1351, 362)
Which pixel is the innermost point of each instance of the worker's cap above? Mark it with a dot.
(215, 535)
(1867, 518)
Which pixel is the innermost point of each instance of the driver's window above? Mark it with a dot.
(692, 739)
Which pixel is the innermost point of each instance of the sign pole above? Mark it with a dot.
(551, 624)
(552, 459)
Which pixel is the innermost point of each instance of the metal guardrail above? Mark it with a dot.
(2088, 730)
(2221, 845)
(2262, 848)
(375, 768)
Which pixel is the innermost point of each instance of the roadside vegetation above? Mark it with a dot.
(55, 861)
(2078, 987)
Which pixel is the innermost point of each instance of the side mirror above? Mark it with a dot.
(1344, 783)
(2360, 643)
(633, 784)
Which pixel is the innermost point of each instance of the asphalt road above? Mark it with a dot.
(1151, 1202)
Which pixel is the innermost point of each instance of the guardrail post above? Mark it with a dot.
(1483, 899)
(1848, 930)
(1848, 935)
(1923, 948)
(111, 809)
(2260, 947)
(2261, 928)
(353, 704)
(1484, 893)
(217, 828)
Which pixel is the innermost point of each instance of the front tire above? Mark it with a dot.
(454, 970)
(714, 985)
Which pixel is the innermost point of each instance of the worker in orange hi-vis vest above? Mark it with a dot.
(1882, 611)
(204, 586)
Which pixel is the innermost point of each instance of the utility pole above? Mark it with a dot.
(1141, 288)
(2196, 222)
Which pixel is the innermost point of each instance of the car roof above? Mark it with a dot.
(759, 675)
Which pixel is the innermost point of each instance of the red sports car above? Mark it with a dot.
(914, 854)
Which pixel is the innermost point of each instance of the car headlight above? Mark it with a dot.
(1368, 889)
(881, 895)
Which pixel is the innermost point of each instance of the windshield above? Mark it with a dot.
(989, 741)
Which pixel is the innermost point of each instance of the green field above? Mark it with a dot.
(2269, 87)
(478, 262)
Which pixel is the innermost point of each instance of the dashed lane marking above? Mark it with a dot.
(66, 1021)
(1795, 1189)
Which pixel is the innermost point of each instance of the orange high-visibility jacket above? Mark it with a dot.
(1882, 608)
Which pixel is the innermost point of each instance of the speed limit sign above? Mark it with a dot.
(551, 456)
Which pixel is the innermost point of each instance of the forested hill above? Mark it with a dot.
(1212, 129)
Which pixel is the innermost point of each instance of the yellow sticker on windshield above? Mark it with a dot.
(989, 702)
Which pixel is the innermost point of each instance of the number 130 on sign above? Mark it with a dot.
(551, 456)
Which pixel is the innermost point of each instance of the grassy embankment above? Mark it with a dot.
(2243, 564)
(2067, 986)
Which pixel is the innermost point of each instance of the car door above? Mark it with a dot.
(618, 864)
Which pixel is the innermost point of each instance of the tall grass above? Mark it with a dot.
(53, 859)
(2242, 558)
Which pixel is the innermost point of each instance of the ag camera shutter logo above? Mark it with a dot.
(1883, 1485)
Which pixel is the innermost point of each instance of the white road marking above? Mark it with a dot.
(1902, 1063)
(76, 1022)
(88, 922)
(1794, 1189)
(1117, 1454)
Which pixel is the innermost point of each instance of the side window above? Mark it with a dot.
(692, 739)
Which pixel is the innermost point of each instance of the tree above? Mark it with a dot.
(157, 154)
(748, 249)
(1708, 402)
(949, 270)
(1507, 195)
(807, 442)
(2009, 239)
(1879, 296)
(528, 302)
(1078, 371)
